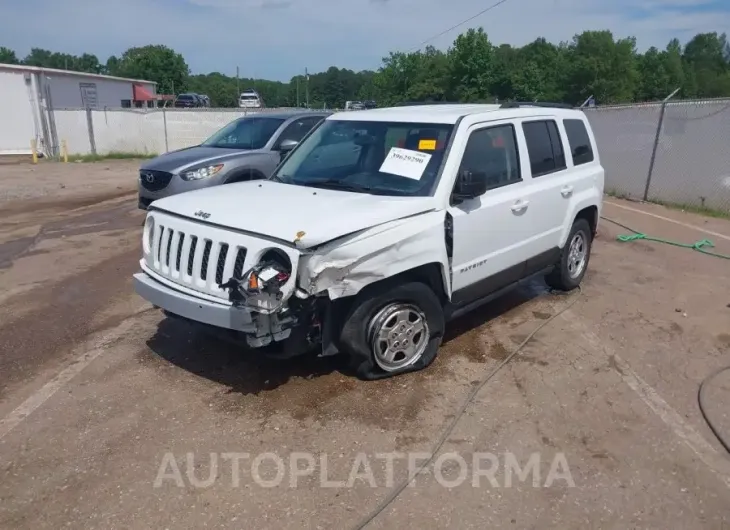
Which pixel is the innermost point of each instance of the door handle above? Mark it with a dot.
(567, 191)
(520, 206)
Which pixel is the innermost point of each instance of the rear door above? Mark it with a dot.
(588, 173)
(551, 182)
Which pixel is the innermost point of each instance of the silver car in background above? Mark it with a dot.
(247, 148)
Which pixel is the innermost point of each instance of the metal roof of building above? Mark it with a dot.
(38, 69)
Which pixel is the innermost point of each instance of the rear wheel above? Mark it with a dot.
(393, 330)
(574, 257)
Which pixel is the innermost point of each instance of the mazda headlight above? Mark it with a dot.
(202, 172)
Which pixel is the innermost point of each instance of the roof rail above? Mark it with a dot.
(547, 104)
(416, 103)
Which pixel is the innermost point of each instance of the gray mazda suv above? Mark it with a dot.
(247, 148)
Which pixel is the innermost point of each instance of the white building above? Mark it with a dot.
(29, 94)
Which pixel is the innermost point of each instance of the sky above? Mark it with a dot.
(277, 39)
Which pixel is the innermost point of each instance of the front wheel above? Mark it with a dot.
(573, 263)
(393, 330)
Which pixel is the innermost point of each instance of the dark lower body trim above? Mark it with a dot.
(469, 298)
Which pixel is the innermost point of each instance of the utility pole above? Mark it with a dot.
(238, 86)
(306, 76)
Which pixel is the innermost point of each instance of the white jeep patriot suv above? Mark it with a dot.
(380, 226)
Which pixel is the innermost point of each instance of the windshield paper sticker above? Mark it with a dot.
(405, 163)
(426, 145)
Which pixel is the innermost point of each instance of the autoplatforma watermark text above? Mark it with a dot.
(450, 470)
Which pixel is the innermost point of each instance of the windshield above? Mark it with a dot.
(385, 158)
(245, 133)
(249, 98)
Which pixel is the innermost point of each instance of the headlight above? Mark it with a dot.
(201, 173)
(148, 234)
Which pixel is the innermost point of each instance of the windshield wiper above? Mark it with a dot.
(276, 178)
(337, 184)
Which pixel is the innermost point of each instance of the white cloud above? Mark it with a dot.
(278, 38)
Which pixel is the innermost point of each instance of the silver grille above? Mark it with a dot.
(197, 262)
(199, 256)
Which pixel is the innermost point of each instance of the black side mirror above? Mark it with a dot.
(470, 184)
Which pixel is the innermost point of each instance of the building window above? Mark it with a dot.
(126, 104)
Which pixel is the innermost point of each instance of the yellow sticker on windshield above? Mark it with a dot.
(427, 145)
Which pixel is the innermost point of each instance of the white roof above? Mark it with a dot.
(445, 113)
(38, 69)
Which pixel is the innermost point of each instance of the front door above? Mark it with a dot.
(492, 232)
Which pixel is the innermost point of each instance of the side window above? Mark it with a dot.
(309, 123)
(493, 151)
(580, 143)
(296, 130)
(557, 144)
(544, 146)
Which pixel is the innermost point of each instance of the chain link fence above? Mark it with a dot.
(690, 144)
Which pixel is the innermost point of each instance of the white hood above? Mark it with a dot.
(283, 211)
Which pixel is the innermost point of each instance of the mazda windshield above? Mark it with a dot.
(245, 133)
(383, 158)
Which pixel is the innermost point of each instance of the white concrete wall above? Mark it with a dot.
(17, 123)
(71, 127)
(140, 131)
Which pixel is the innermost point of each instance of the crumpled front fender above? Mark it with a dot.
(344, 266)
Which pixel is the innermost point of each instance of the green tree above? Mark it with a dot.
(472, 69)
(504, 61)
(88, 63)
(471, 66)
(154, 63)
(602, 67)
(704, 59)
(39, 57)
(7, 56)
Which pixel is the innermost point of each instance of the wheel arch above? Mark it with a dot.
(587, 210)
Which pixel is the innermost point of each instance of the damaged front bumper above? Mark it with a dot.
(259, 329)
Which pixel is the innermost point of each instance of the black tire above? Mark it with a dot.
(355, 338)
(561, 277)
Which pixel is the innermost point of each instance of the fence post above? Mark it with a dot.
(656, 143)
(90, 127)
(164, 121)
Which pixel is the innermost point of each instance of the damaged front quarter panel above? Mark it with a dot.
(344, 266)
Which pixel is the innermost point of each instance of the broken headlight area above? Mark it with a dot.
(260, 287)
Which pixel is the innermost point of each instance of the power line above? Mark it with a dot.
(496, 4)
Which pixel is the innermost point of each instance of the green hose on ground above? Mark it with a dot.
(699, 246)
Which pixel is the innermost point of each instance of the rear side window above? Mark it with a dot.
(544, 146)
(580, 143)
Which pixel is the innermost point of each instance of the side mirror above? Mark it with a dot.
(287, 145)
(470, 184)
